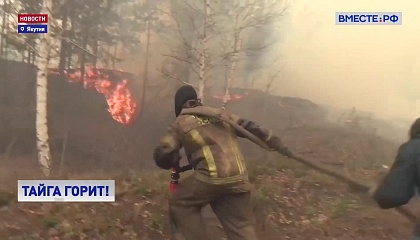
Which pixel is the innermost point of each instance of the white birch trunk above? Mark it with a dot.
(42, 61)
(203, 55)
(227, 97)
(234, 59)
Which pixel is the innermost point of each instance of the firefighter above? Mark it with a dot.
(220, 177)
(402, 181)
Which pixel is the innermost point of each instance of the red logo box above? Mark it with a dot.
(32, 18)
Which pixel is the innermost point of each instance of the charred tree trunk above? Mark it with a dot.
(69, 56)
(69, 53)
(146, 70)
(95, 46)
(83, 53)
(33, 56)
(64, 43)
(114, 56)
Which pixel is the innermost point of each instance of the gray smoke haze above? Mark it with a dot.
(373, 68)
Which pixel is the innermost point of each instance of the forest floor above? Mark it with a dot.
(289, 200)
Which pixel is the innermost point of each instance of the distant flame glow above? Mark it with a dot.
(229, 97)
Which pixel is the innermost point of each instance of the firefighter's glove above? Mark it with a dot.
(166, 160)
(285, 152)
(276, 144)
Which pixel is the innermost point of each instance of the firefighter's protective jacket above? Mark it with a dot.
(403, 179)
(399, 185)
(210, 145)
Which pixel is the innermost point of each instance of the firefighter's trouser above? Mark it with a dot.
(230, 202)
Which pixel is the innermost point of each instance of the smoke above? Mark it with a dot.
(372, 68)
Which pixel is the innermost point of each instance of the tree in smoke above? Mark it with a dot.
(194, 26)
(12, 44)
(95, 32)
(248, 18)
(213, 38)
(46, 52)
(89, 33)
(147, 14)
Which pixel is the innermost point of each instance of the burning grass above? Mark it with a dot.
(112, 85)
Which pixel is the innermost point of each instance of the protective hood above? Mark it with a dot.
(182, 96)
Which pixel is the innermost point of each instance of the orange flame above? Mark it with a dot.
(230, 97)
(121, 104)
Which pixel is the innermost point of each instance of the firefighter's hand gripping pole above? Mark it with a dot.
(351, 182)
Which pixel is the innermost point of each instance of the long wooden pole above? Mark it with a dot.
(325, 170)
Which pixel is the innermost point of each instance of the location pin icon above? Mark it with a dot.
(22, 29)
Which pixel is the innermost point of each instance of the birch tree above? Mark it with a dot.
(204, 51)
(42, 62)
(248, 16)
(214, 38)
(193, 25)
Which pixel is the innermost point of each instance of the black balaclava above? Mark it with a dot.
(183, 95)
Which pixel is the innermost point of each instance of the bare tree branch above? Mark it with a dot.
(178, 58)
(199, 11)
(175, 78)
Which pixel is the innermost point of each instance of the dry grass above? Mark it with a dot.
(288, 199)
